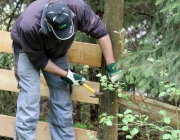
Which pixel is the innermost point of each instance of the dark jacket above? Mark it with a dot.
(40, 47)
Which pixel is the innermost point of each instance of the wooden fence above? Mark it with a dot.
(88, 54)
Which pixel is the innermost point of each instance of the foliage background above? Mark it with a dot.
(153, 48)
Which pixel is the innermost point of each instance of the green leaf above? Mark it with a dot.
(102, 120)
(120, 94)
(99, 75)
(103, 115)
(136, 115)
(111, 88)
(125, 121)
(125, 128)
(167, 86)
(126, 41)
(161, 129)
(110, 117)
(128, 111)
(104, 78)
(109, 122)
(151, 59)
(134, 131)
(128, 137)
(146, 118)
(162, 112)
(167, 120)
(120, 115)
(175, 133)
(166, 136)
(110, 85)
(104, 84)
(119, 90)
(131, 119)
(162, 94)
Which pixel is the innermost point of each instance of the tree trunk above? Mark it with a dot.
(113, 18)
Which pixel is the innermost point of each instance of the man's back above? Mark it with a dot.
(39, 46)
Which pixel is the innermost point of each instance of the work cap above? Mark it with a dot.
(59, 18)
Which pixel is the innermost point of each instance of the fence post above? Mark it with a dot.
(113, 18)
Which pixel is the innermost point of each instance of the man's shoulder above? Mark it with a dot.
(75, 3)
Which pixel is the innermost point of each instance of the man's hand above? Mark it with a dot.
(73, 78)
(113, 72)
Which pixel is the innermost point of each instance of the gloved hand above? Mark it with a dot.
(113, 72)
(73, 78)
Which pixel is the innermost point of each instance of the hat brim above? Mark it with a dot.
(65, 33)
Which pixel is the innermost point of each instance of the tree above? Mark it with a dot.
(10, 10)
(156, 57)
(113, 18)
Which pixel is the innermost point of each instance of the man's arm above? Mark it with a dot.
(54, 69)
(106, 47)
(68, 76)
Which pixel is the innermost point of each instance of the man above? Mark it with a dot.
(41, 36)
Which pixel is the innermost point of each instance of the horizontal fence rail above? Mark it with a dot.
(79, 93)
(86, 53)
(151, 108)
(42, 131)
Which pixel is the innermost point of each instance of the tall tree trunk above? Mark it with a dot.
(113, 18)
